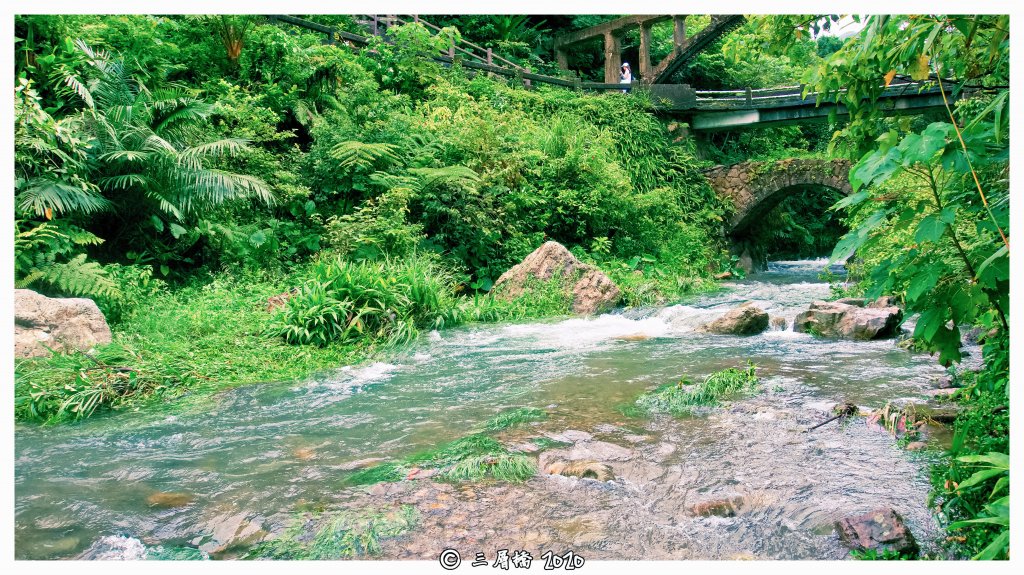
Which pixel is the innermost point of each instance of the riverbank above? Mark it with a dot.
(219, 333)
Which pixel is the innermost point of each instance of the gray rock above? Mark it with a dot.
(592, 291)
(834, 319)
(884, 302)
(58, 323)
(777, 323)
(746, 319)
(881, 530)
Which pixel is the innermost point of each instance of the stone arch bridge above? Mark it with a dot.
(757, 187)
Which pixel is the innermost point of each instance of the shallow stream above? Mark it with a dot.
(241, 466)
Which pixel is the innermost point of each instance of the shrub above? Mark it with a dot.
(388, 300)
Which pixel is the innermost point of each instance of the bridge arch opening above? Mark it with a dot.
(794, 223)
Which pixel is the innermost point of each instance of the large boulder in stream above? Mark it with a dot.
(880, 530)
(42, 322)
(747, 319)
(847, 321)
(592, 291)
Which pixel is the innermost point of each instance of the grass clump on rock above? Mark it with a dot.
(515, 418)
(471, 458)
(680, 398)
(344, 535)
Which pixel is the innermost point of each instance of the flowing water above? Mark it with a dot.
(223, 475)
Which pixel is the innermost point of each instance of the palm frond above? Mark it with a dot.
(123, 181)
(76, 85)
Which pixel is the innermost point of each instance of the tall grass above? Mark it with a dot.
(388, 300)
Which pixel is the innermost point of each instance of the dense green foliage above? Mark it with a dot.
(930, 220)
(385, 192)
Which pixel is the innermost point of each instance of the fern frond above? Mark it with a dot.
(353, 154)
(80, 277)
(42, 194)
(456, 175)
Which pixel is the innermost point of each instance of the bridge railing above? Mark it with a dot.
(466, 53)
(727, 99)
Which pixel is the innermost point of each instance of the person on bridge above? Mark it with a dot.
(625, 76)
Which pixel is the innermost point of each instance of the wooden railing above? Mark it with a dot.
(465, 53)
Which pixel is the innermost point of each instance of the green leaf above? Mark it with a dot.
(157, 223)
(258, 238)
(1005, 521)
(995, 547)
(177, 231)
(930, 229)
(851, 200)
(924, 281)
(1001, 252)
(920, 149)
(980, 477)
(993, 458)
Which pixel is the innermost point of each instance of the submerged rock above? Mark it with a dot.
(581, 469)
(592, 291)
(777, 323)
(881, 530)
(717, 507)
(58, 323)
(846, 321)
(746, 319)
(169, 500)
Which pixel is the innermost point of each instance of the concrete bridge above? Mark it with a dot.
(725, 110)
(757, 187)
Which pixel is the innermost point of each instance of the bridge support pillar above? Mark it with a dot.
(612, 57)
(563, 58)
(678, 33)
(645, 52)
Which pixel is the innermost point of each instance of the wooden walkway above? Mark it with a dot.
(705, 109)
